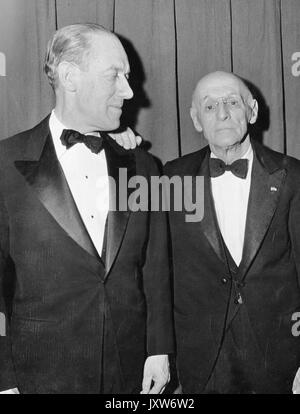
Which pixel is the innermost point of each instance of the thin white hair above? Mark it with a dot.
(71, 44)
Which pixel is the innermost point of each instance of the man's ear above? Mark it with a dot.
(194, 116)
(253, 111)
(68, 74)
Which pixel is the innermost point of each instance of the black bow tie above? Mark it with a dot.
(70, 138)
(239, 168)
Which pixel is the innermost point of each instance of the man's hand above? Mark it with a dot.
(13, 391)
(156, 370)
(127, 139)
(296, 383)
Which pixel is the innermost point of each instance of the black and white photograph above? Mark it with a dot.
(150, 199)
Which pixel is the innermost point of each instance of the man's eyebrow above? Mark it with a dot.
(203, 98)
(117, 69)
(226, 96)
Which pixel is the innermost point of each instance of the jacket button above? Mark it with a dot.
(224, 280)
(238, 300)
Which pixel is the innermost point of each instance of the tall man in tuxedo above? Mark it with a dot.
(237, 271)
(90, 310)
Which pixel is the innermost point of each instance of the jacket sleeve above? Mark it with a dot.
(294, 216)
(7, 374)
(156, 277)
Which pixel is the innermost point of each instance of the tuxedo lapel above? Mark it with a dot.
(266, 181)
(117, 158)
(267, 178)
(44, 175)
(209, 224)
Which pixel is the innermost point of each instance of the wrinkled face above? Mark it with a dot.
(103, 85)
(222, 109)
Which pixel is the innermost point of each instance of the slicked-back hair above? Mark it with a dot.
(246, 93)
(70, 44)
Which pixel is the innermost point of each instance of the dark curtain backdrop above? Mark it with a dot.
(171, 44)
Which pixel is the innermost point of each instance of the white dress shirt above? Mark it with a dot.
(87, 177)
(231, 195)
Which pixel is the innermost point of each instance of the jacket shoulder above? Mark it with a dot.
(291, 164)
(146, 162)
(185, 163)
(13, 147)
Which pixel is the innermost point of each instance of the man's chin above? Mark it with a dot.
(225, 141)
(113, 126)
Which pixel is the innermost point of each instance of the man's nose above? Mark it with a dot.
(223, 111)
(125, 90)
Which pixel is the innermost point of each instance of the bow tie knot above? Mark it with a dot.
(218, 167)
(69, 137)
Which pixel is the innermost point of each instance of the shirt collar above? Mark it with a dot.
(248, 154)
(56, 128)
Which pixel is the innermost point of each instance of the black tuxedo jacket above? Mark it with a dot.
(77, 323)
(268, 277)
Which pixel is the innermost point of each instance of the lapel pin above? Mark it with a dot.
(273, 189)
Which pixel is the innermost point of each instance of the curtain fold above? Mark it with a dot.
(171, 44)
(203, 45)
(290, 11)
(25, 27)
(256, 47)
(149, 27)
(85, 11)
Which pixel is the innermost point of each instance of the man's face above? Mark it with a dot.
(222, 109)
(102, 86)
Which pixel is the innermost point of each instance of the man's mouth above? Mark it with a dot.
(224, 129)
(116, 108)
